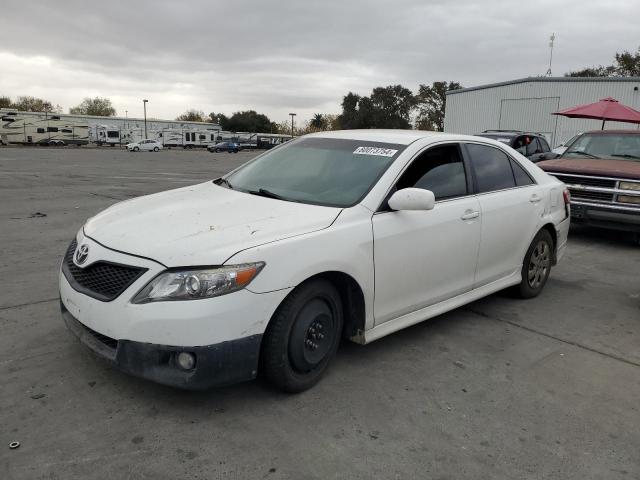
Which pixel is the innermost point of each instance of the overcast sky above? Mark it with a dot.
(291, 56)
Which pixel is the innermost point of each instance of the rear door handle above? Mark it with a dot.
(470, 214)
(535, 198)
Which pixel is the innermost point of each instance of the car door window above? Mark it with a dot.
(533, 146)
(440, 170)
(492, 168)
(544, 146)
(520, 145)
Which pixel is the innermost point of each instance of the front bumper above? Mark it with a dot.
(603, 216)
(220, 364)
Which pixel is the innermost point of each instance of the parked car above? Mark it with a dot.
(230, 147)
(602, 170)
(560, 149)
(353, 234)
(145, 146)
(534, 146)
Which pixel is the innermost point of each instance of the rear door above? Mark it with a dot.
(510, 204)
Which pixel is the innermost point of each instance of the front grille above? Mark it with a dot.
(586, 181)
(591, 195)
(101, 280)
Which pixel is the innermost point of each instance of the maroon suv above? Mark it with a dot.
(602, 170)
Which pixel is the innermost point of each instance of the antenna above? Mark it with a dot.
(552, 38)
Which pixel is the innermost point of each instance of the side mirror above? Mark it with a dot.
(412, 199)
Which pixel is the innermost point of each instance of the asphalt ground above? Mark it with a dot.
(501, 389)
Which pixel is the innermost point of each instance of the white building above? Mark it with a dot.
(527, 104)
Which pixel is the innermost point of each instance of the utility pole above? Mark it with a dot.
(292, 115)
(144, 104)
(552, 38)
(126, 118)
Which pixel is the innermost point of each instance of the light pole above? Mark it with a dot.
(292, 115)
(126, 118)
(144, 104)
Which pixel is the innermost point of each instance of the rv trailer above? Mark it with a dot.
(42, 129)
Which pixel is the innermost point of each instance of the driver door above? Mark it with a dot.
(424, 257)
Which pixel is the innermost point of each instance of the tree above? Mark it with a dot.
(33, 104)
(387, 107)
(100, 107)
(431, 102)
(248, 121)
(191, 116)
(626, 64)
(5, 102)
(598, 71)
(318, 122)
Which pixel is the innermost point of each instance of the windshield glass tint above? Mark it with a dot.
(618, 146)
(322, 171)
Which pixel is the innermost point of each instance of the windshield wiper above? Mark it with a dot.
(220, 181)
(263, 192)
(625, 155)
(582, 152)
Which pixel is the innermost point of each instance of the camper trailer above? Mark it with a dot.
(42, 129)
(106, 135)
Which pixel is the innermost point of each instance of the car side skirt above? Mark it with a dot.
(431, 311)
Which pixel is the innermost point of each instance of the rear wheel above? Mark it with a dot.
(302, 337)
(537, 265)
(156, 149)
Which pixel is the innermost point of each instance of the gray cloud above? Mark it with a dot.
(279, 56)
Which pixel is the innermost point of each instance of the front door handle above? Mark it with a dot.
(470, 215)
(535, 198)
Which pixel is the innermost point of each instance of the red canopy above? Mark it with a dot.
(606, 109)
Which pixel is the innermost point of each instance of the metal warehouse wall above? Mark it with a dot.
(527, 104)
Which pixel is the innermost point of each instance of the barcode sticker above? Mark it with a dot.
(382, 152)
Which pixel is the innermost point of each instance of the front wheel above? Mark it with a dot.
(136, 149)
(536, 265)
(302, 337)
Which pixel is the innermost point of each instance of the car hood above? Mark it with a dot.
(593, 166)
(203, 224)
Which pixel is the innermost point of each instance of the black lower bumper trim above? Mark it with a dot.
(220, 364)
(602, 217)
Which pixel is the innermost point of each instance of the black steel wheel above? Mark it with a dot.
(303, 336)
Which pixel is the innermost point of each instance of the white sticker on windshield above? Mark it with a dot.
(382, 152)
(504, 140)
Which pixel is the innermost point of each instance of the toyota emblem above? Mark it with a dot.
(82, 253)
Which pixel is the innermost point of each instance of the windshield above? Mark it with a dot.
(610, 145)
(321, 171)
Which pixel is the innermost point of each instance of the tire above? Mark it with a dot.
(136, 149)
(302, 337)
(536, 265)
(156, 149)
(217, 150)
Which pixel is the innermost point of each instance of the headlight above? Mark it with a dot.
(630, 186)
(195, 284)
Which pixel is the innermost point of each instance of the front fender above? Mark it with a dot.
(346, 246)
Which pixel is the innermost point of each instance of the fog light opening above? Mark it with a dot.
(186, 360)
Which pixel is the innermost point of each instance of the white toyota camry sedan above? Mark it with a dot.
(352, 234)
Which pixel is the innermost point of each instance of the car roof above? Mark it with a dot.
(614, 132)
(509, 133)
(402, 137)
